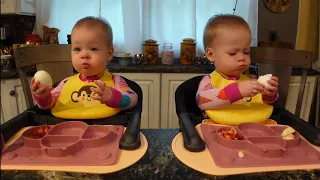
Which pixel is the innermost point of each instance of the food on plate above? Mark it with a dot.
(241, 154)
(269, 122)
(39, 132)
(264, 79)
(43, 77)
(288, 133)
(231, 134)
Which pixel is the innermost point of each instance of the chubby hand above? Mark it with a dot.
(38, 89)
(250, 88)
(271, 90)
(102, 92)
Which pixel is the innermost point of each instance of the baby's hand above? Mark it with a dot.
(271, 90)
(102, 92)
(250, 88)
(39, 90)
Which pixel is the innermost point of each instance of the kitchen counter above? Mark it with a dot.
(160, 68)
(158, 163)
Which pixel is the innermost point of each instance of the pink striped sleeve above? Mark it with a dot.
(209, 97)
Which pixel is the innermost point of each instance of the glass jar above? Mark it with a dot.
(167, 54)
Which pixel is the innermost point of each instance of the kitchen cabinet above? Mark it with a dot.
(12, 99)
(308, 95)
(169, 83)
(23, 7)
(150, 85)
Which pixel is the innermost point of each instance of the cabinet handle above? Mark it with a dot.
(12, 93)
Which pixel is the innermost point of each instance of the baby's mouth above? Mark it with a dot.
(242, 66)
(85, 65)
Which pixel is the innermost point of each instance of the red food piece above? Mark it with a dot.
(38, 132)
(231, 134)
(45, 129)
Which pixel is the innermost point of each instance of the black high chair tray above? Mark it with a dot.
(127, 155)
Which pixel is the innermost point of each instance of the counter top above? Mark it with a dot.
(158, 163)
(160, 68)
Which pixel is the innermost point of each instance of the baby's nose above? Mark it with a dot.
(85, 55)
(241, 57)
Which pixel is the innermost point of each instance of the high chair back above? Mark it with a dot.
(279, 62)
(53, 58)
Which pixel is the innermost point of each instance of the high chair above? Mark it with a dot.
(190, 115)
(45, 57)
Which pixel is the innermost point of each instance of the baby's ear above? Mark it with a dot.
(210, 54)
(110, 54)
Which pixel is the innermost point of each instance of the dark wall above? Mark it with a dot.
(284, 23)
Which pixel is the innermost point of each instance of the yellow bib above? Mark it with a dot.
(75, 100)
(245, 110)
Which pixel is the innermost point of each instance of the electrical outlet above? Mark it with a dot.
(273, 35)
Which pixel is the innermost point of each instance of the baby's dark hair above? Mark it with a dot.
(97, 22)
(221, 20)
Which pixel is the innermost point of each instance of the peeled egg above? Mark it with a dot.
(264, 79)
(43, 77)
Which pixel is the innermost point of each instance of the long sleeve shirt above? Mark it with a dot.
(209, 97)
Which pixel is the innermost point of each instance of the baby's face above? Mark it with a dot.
(89, 51)
(231, 51)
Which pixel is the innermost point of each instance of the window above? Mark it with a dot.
(134, 21)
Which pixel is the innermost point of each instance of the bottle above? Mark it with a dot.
(167, 54)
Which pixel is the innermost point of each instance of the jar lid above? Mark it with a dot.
(6, 56)
(150, 42)
(188, 41)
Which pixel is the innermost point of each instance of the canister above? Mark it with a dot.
(188, 51)
(151, 51)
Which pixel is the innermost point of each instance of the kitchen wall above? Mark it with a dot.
(284, 23)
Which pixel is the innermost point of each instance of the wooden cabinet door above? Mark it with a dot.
(7, 6)
(27, 7)
(150, 85)
(169, 83)
(12, 98)
(307, 96)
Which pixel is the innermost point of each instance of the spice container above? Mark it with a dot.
(188, 51)
(151, 51)
(124, 58)
(167, 54)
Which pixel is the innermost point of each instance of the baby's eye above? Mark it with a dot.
(232, 54)
(94, 49)
(76, 49)
(246, 53)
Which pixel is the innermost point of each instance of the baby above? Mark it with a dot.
(94, 92)
(226, 95)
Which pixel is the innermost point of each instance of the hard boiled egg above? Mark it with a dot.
(264, 79)
(43, 77)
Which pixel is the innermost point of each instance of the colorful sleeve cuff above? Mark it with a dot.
(43, 102)
(115, 99)
(232, 92)
(270, 99)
